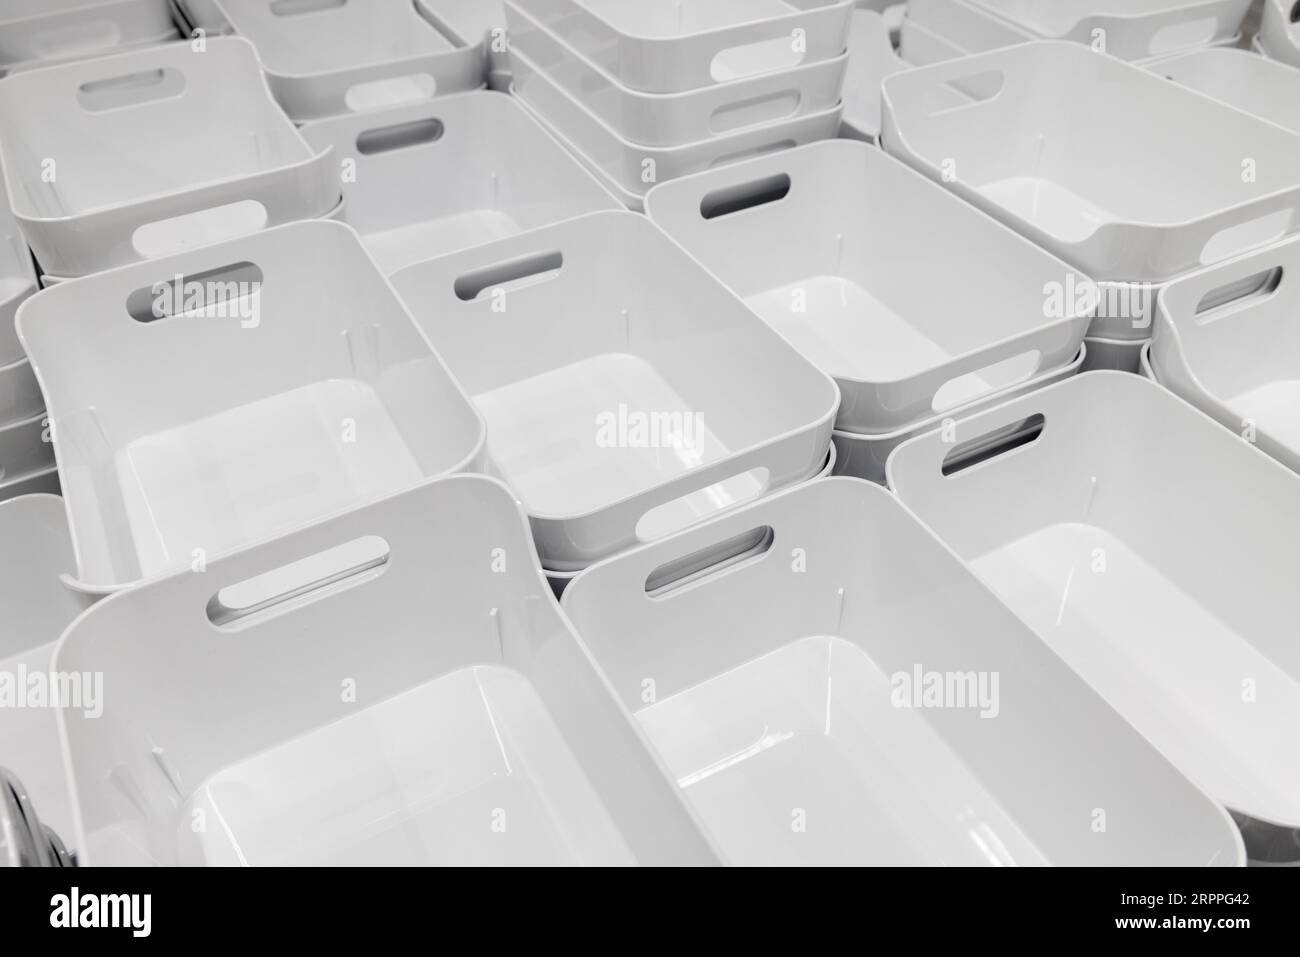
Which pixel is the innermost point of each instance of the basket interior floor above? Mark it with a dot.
(468, 769)
(812, 728)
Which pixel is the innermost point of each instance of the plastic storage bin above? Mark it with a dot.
(676, 119)
(326, 58)
(33, 31)
(1149, 548)
(635, 168)
(914, 301)
(1129, 29)
(626, 392)
(672, 46)
(478, 730)
(864, 455)
(1252, 83)
(1035, 147)
(283, 382)
(189, 149)
(431, 178)
(1226, 343)
(775, 659)
(34, 551)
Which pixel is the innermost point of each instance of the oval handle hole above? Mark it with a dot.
(733, 199)
(524, 271)
(301, 582)
(228, 291)
(708, 562)
(200, 228)
(1260, 284)
(972, 452)
(132, 89)
(1237, 239)
(399, 136)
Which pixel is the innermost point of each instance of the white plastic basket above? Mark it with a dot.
(1225, 341)
(33, 31)
(1128, 29)
(914, 301)
(1119, 355)
(189, 149)
(428, 705)
(1153, 551)
(25, 451)
(871, 59)
(431, 178)
(284, 382)
(636, 168)
(864, 456)
(34, 551)
(324, 58)
(672, 46)
(776, 658)
(20, 395)
(626, 392)
(678, 119)
(1265, 88)
(1034, 146)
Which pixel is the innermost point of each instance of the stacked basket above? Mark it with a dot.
(648, 92)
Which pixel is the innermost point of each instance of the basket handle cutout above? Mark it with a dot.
(302, 582)
(399, 136)
(989, 446)
(709, 562)
(734, 199)
(131, 89)
(524, 271)
(1260, 285)
(213, 293)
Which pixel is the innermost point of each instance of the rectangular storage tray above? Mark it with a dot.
(635, 168)
(440, 708)
(1128, 29)
(776, 658)
(35, 31)
(677, 119)
(1226, 341)
(284, 382)
(433, 178)
(35, 551)
(189, 148)
(626, 392)
(915, 301)
(1034, 146)
(1152, 550)
(674, 46)
(327, 59)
